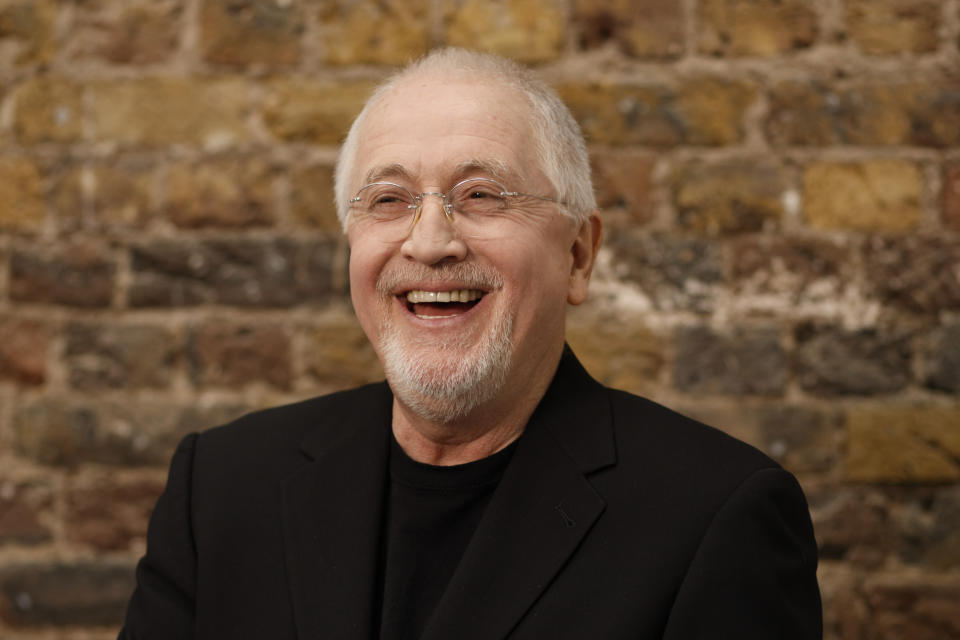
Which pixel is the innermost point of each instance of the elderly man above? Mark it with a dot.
(490, 488)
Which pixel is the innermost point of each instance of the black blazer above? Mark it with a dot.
(616, 518)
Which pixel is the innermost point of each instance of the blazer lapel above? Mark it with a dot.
(332, 511)
(542, 509)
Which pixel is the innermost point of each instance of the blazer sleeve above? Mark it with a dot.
(754, 573)
(162, 604)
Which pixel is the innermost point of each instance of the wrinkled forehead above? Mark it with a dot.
(426, 126)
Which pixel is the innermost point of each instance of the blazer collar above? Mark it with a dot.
(540, 512)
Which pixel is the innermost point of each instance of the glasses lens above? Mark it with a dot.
(385, 201)
(478, 197)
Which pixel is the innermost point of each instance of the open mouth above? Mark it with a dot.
(431, 305)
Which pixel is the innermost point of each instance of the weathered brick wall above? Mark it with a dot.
(780, 182)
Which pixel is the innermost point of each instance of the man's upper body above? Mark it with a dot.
(490, 488)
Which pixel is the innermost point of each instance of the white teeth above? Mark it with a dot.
(457, 295)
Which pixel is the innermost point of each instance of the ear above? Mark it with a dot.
(586, 244)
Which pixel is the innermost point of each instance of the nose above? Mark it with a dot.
(433, 238)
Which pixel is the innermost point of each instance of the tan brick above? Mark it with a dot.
(26, 29)
(894, 26)
(312, 198)
(623, 182)
(386, 32)
(134, 32)
(221, 193)
(755, 27)
(339, 356)
(639, 28)
(123, 194)
(23, 351)
(729, 197)
(881, 113)
(247, 32)
(951, 196)
(163, 111)
(879, 195)
(22, 205)
(525, 30)
(69, 197)
(48, 109)
(321, 113)
(620, 352)
(704, 111)
(903, 444)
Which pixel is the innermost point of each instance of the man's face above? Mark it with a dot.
(509, 286)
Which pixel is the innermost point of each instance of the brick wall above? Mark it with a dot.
(780, 182)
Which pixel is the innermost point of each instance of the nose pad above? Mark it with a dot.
(418, 211)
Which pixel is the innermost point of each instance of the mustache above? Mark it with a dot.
(469, 275)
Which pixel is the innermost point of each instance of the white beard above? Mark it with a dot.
(447, 388)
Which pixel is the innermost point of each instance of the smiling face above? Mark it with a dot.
(463, 322)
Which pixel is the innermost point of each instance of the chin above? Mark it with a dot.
(444, 383)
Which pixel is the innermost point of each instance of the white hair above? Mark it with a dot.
(560, 147)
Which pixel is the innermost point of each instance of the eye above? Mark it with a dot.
(385, 200)
(478, 196)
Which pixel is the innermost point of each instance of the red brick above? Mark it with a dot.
(110, 515)
(81, 274)
(623, 182)
(755, 27)
(229, 355)
(25, 512)
(639, 28)
(240, 33)
(23, 351)
(914, 607)
(951, 196)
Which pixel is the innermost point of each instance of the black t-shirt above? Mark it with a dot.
(431, 516)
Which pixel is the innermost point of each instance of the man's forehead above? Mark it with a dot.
(494, 168)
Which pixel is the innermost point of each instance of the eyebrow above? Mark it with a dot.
(496, 169)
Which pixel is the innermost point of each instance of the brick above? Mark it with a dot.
(902, 444)
(939, 544)
(105, 514)
(230, 355)
(623, 182)
(887, 113)
(669, 273)
(318, 113)
(77, 275)
(854, 525)
(735, 420)
(388, 32)
(744, 362)
(525, 30)
(60, 595)
(248, 272)
(136, 32)
(339, 356)
(916, 273)
(755, 27)
(803, 440)
(231, 193)
(620, 352)
(312, 198)
(199, 416)
(702, 111)
(777, 274)
(942, 359)
(48, 109)
(845, 612)
(25, 512)
(27, 29)
(832, 361)
(208, 112)
(123, 194)
(951, 197)
(23, 351)
(111, 356)
(894, 26)
(879, 195)
(641, 29)
(728, 198)
(241, 33)
(68, 433)
(22, 206)
(915, 607)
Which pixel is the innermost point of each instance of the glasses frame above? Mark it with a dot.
(417, 200)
